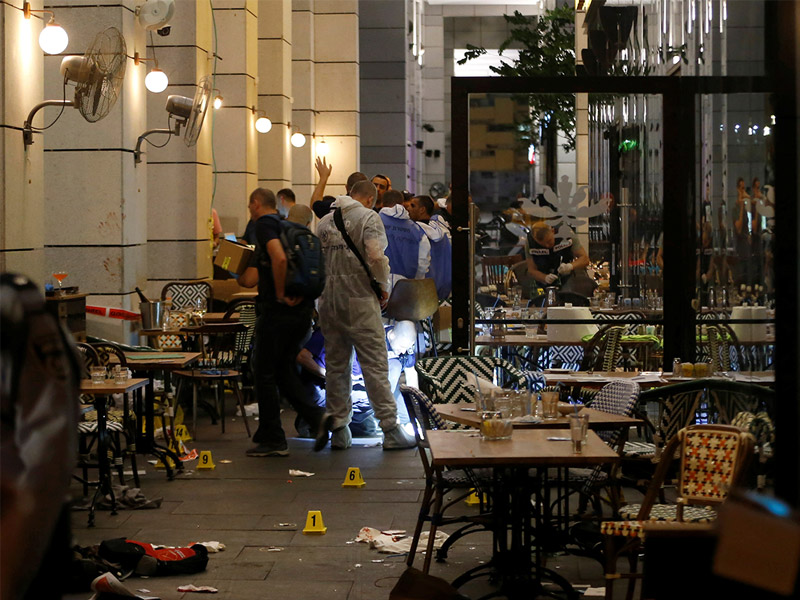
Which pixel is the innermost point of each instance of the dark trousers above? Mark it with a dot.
(280, 334)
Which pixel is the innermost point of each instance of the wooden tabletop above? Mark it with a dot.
(541, 341)
(151, 360)
(597, 419)
(526, 448)
(219, 317)
(110, 387)
(243, 295)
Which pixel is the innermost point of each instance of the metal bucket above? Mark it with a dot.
(152, 314)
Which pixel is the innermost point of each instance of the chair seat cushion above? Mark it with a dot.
(640, 449)
(209, 373)
(669, 512)
(91, 426)
(459, 477)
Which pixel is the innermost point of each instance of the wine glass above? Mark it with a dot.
(60, 277)
(200, 309)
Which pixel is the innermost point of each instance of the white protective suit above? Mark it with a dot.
(350, 314)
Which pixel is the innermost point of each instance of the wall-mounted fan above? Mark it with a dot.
(188, 113)
(97, 76)
(438, 190)
(155, 14)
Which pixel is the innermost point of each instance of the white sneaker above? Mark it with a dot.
(398, 439)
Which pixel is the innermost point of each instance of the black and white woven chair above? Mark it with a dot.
(618, 398)
(451, 379)
(439, 482)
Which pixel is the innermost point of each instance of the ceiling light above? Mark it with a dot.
(322, 148)
(156, 81)
(298, 140)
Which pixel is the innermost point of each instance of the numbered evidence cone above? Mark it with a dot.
(205, 461)
(353, 478)
(170, 462)
(314, 525)
(473, 499)
(182, 434)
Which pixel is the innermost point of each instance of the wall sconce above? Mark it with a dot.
(53, 39)
(262, 124)
(322, 148)
(217, 100)
(298, 140)
(156, 80)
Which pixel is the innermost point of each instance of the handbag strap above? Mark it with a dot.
(337, 218)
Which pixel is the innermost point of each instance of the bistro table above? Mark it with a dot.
(148, 363)
(99, 393)
(518, 520)
(467, 414)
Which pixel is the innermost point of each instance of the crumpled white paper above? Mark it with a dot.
(297, 473)
(207, 589)
(396, 544)
(212, 547)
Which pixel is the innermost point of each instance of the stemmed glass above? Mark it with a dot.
(60, 277)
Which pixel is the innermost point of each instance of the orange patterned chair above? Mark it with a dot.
(712, 459)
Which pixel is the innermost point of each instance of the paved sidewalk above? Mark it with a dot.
(247, 503)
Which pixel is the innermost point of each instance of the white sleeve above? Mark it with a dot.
(424, 259)
(374, 246)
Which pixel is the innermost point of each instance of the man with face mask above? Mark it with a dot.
(382, 184)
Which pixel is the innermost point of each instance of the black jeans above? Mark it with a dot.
(280, 334)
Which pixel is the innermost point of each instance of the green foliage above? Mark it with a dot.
(547, 49)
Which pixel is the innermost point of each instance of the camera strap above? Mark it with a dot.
(339, 221)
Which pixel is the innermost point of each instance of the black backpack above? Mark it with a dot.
(305, 268)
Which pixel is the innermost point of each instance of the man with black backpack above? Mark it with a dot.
(289, 273)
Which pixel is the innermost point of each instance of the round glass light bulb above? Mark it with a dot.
(217, 102)
(298, 140)
(263, 125)
(53, 39)
(322, 148)
(156, 81)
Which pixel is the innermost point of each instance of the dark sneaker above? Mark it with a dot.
(341, 439)
(322, 435)
(268, 450)
(398, 439)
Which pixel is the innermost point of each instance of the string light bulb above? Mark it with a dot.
(218, 102)
(298, 140)
(263, 124)
(322, 148)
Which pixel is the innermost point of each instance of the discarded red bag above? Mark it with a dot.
(149, 559)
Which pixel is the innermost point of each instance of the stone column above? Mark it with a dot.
(384, 90)
(275, 19)
(234, 135)
(95, 206)
(21, 171)
(303, 104)
(180, 178)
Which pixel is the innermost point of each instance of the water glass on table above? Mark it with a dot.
(550, 405)
(495, 426)
(579, 431)
(98, 375)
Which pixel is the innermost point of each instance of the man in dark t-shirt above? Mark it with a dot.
(282, 326)
(550, 258)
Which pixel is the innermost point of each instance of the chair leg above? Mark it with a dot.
(220, 404)
(424, 511)
(240, 399)
(435, 519)
(194, 409)
(633, 560)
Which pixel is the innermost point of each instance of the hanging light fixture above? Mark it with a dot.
(53, 39)
(156, 80)
(298, 140)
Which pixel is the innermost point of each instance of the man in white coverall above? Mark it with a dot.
(350, 318)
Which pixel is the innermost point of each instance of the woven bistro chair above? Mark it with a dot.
(712, 459)
(439, 482)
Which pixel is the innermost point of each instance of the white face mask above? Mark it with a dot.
(282, 210)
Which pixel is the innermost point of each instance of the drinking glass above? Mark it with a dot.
(579, 431)
(550, 405)
(60, 277)
(495, 426)
(98, 375)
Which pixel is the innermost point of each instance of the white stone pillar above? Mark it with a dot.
(275, 20)
(303, 104)
(234, 136)
(21, 171)
(180, 178)
(94, 198)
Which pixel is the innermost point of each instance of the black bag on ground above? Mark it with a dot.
(416, 585)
